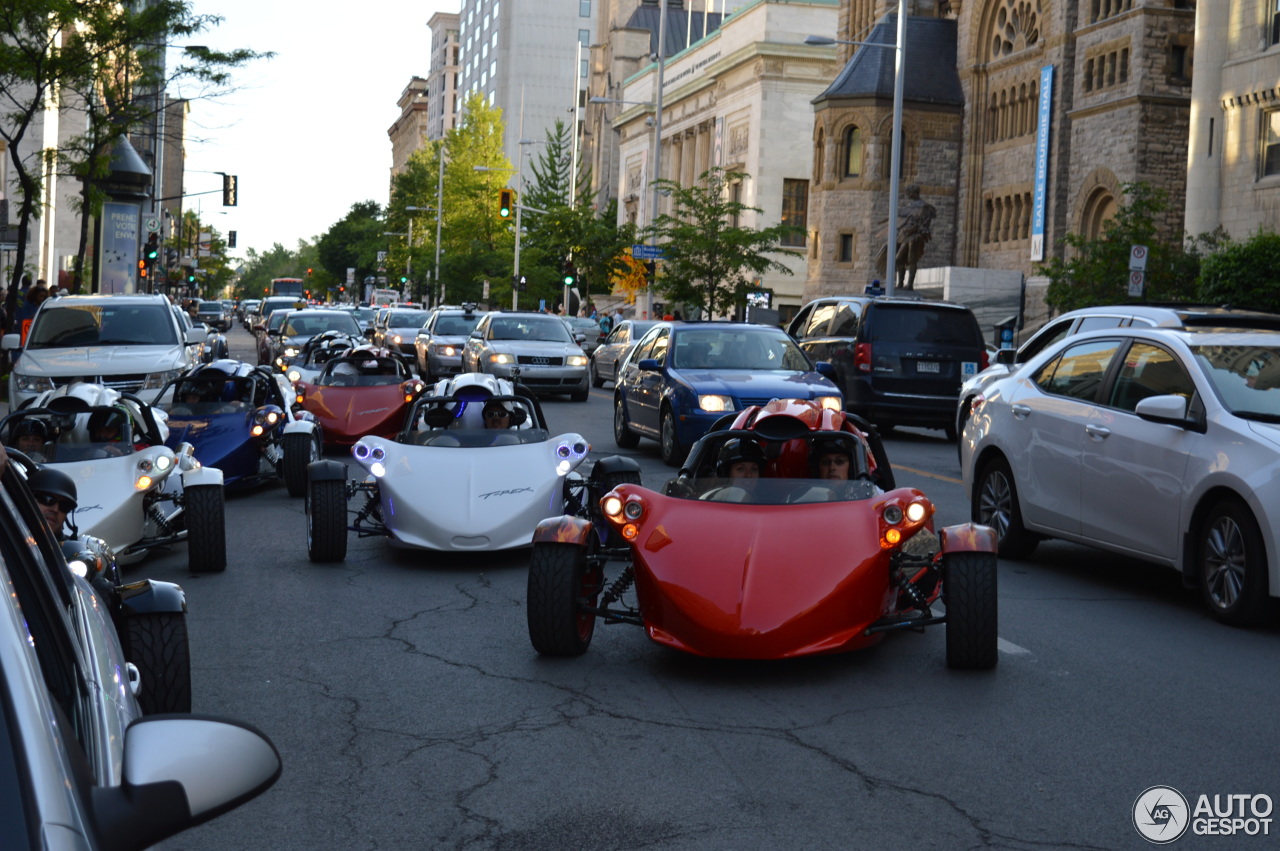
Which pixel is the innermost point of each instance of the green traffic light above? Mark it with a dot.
(568, 280)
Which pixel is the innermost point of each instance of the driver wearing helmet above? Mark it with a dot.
(107, 427)
(55, 493)
(831, 461)
(741, 461)
(497, 414)
(30, 436)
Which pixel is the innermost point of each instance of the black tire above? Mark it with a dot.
(596, 380)
(205, 516)
(1231, 564)
(159, 649)
(327, 520)
(672, 452)
(299, 451)
(580, 395)
(969, 591)
(995, 504)
(622, 433)
(556, 582)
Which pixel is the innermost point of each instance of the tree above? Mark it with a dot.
(1096, 271)
(1244, 274)
(707, 257)
(353, 242)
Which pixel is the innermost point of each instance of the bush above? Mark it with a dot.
(1244, 274)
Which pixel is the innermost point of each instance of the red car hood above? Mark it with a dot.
(759, 581)
(348, 413)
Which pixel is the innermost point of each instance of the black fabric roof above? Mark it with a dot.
(647, 18)
(931, 64)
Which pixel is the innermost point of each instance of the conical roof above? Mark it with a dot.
(931, 76)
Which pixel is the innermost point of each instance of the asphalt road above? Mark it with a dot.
(412, 712)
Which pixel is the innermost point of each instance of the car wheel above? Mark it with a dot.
(159, 649)
(969, 592)
(672, 452)
(558, 587)
(299, 451)
(622, 433)
(596, 380)
(995, 504)
(1231, 563)
(205, 517)
(950, 431)
(327, 520)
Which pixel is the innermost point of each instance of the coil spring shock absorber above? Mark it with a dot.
(618, 588)
(157, 517)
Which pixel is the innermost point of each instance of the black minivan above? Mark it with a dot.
(899, 361)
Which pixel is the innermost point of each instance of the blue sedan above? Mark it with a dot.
(684, 376)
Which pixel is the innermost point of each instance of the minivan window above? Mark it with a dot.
(919, 324)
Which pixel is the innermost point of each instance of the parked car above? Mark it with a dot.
(451, 480)
(215, 314)
(1106, 316)
(682, 377)
(131, 343)
(537, 345)
(84, 768)
(610, 353)
(898, 361)
(1156, 443)
(396, 329)
(774, 567)
(438, 344)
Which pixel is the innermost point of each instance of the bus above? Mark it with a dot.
(286, 286)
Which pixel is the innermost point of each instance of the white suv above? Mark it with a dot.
(129, 342)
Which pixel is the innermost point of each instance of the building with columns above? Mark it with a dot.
(442, 80)
(409, 132)
(1233, 161)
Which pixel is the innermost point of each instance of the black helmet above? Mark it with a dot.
(47, 480)
(828, 445)
(736, 449)
(31, 425)
(106, 418)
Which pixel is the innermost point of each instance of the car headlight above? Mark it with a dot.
(395, 338)
(156, 380)
(715, 404)
(290, 352)
(501, 357)
(831, 403)
(444, 351)
(576, 360)
(32, 383)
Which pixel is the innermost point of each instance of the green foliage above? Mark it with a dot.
(1244, 274)
(353, 242)
(1096, 271)
(709, 261)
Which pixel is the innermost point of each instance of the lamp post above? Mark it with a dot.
(409, 264)
(895, 157)
(515, 272)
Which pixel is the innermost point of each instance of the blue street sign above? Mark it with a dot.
(647, 252)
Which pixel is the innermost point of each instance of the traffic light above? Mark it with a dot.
(506, 203)
(570, 273)
(231, 239)
(308, 271)
(152, 250)
(229, 190)
(142, 268)
(404, 279)
(650, 270)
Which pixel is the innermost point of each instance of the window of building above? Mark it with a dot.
(846, 248)
(1271, 143)
(584, 8)
(853, 152)
(583, 68)
(795, 210)
(584, 38)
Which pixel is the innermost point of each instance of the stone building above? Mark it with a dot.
(442, 80)
(1233, 166)
(1117, 100)
(409, 132)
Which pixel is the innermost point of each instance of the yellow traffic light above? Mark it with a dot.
(506, 203)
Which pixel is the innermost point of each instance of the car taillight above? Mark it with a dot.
(862, 357)
(984, 361)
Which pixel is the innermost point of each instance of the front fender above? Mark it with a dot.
(967, 538)
(563, 530)
(614, 464)
(150, 595)
(327, 471)
(201, 476)
(301, 425)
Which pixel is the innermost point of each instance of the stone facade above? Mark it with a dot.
(409, 132)
(442, 80)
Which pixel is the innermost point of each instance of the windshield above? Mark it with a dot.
(310, 324)
(211, 307)
(1247, 378)
(408, 318)
(456, 326)
(203, 396)
(542, 328)
(738, 348)
(770, 491)
(363, 371)
(103, 325)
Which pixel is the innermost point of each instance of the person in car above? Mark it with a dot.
(742, 462)
(107, 427)
(830, 459)
(30, 436)
(55, 493)
(497, 414)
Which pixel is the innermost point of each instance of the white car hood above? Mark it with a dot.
(1269, 432)
(102, 360)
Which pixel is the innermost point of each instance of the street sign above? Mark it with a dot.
(1136, 281)
(151, 224)
(648, 252)
(1138, 258)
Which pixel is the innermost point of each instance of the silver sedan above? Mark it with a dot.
(535, 346)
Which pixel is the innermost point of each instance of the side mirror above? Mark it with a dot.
(649, 365)
(1006, 357)
(370, 332)
(259, 328)
(11, 342)
(825, 369)
(194, 335)
(1169, 410)
(579, 338)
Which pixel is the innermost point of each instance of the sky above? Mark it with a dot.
(305, 133)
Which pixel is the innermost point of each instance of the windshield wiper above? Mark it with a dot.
(1258, 416)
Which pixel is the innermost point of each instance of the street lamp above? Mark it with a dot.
(409, 263)
(895, 158)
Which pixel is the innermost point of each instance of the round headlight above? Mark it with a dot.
(892, 515)
(633, 510)
(378, 453)
(612, 506)
(916, 512)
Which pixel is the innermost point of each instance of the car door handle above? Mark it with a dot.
(1020, 411)
(1097, 431)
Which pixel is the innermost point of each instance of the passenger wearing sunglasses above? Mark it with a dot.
(497, 415)
(55, 493)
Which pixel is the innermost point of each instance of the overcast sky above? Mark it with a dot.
(306, 133)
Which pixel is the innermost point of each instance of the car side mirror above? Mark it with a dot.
(825, 369)
(579, 338)
(11, 342)
(649, 365)
(1006, 357)
(259, 329)
(1169, 409)
(194, 336)
(477, 335)
(370, 331)
(273, 332)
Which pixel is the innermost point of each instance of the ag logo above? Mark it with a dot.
(1161, 814)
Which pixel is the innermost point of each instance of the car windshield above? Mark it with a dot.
(542, 328)
(310, 324)
(201, 396)
(738, 348)
(74, 325)
(770, 491)
(456, 326)
(408, 318)
(363, 314)
(276, 320)
(211, 307)
(363, 371)
(1247, 378)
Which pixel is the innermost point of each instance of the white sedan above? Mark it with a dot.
(1159, 443)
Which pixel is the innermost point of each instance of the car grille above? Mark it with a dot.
(123, 383)
(534, 360)
(754, 400)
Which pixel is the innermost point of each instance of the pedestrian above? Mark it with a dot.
(606, 324)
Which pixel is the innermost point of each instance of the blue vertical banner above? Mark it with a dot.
(1042, 163)
(118, 257)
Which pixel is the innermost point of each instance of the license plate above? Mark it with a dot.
(927, 366)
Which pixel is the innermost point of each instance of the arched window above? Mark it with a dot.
(853, 152)
(1099, 209)
(819, 156)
